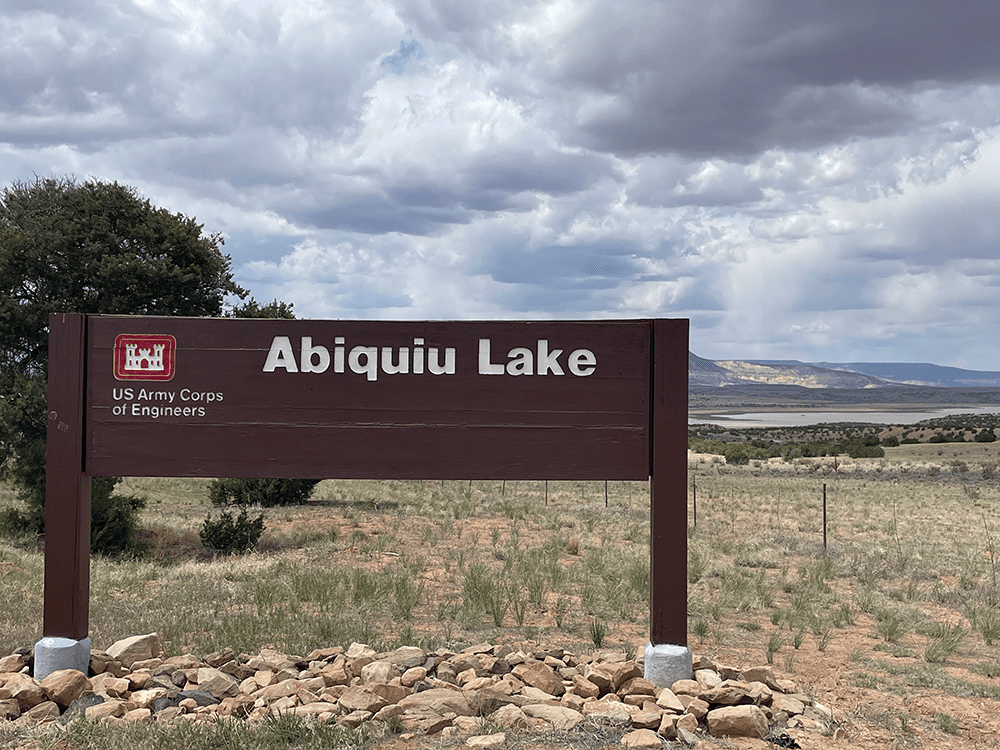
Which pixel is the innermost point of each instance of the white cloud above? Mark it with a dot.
(803, 182)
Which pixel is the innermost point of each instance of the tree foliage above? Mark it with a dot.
(90, 247)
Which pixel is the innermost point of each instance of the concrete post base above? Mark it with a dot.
(665, 664)
(53, 654)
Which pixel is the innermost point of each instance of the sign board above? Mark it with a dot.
(349, 399)
(161, 396)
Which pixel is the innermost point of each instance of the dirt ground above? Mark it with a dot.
(871, 716)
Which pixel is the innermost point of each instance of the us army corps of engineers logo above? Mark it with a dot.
(145, 356)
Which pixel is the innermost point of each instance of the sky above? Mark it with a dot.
(801, 179)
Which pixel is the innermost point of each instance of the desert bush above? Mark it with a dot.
(945, 640)
(266, 493)
(229, 535)
(114, 520)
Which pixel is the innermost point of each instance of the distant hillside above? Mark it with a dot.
(921, 373)
(733, 372)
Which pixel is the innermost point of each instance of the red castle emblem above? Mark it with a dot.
(145, 356)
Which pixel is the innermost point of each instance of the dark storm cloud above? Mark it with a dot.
(601, 265)
(379, 214)
(738, 77)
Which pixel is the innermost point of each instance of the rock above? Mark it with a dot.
(688, 722)
(666, 700)
(361, 699)
(65, 685)
(688, 737)
(540, 676)
(478, 683)
(277, 661)
(379, 671)
(668, 726)
(647, 719)
(636, 686)
(406, 657)
(200, 697)
(761, 674)
(389, 693)
(44, 711)
(584, 687)
(106, 710)
(538, 696)
(138, 715)
(359, 650)
(219, 658)
(707, 678)
(336, 673)
(101, 662)
(355, 718)
(24, 689)
(642, 738)
(737, 721)
(786, 703)
(510, 717)
(9, 709)
(425, 720)
(78, 708)
(279, 690)
(560, 718)
(151, 664)
(727, 693)
(686, 687)
(137, 648)
(12, 663)
(218, 684)
(624, 672)
(412, 676)
(440, 700)
(108, 684)
(600, 675)
(696, 707)
(487, 740)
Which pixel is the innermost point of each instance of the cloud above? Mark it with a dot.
(802, 179)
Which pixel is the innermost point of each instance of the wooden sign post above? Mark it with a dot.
(158, 396)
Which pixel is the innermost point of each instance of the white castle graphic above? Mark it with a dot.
(144, 359)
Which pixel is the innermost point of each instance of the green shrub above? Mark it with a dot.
(114, 520)
(230, 535)
(856, 448)
(266, 493)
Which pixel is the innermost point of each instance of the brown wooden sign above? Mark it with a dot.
(349, 399)
(160, 396)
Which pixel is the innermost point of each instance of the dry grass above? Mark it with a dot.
(903, 602)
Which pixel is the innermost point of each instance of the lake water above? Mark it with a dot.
(800, 418)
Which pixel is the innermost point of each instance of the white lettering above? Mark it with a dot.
(548, 361)
(485, 366)
(521, 361)
(308, 352)
(188, 395)
(582, 362)
(403, 365)
(338, 354)
(280, 355)
(418, 356)
(370, 366)
(434, 362)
